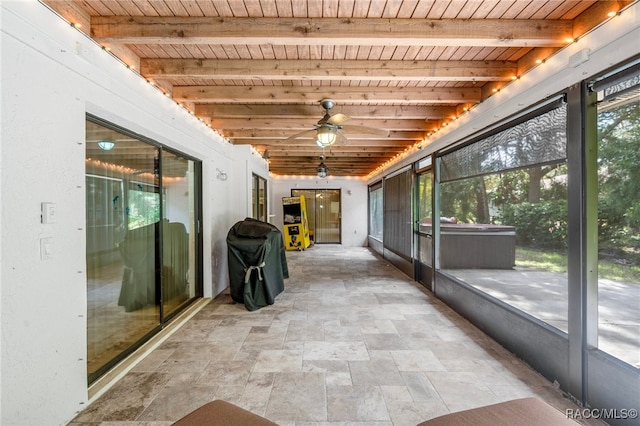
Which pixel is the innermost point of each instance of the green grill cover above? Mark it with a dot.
(257, 263)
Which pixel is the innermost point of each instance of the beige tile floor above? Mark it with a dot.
(351, 341)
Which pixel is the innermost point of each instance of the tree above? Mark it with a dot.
(619, 174)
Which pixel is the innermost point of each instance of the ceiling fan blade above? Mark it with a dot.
(366, 130)
(341, 138)
(306, 134)
(338, 119)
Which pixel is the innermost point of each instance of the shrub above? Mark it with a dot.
(541, 225)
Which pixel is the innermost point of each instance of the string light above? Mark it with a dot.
(132, 68)
(123, 170)
(418, 145)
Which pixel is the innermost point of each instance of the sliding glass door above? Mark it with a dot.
(324, 213)
(142, 241)
(179, 225)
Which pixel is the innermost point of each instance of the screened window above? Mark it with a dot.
(375, 211)
(425, 217)
(617, 102)
(503, 214)
(535, 141)
(398, 222)
(425, 190)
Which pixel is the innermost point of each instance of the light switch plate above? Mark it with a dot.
(49, 213)
(46, 248)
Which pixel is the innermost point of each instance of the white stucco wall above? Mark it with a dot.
(51, 76)
(233, 207)
(354, 198)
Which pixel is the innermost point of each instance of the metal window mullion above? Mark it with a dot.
(590, 326)
(160, 241)
(435, 223)
(577, 248)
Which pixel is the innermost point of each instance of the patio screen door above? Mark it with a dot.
(324, 212)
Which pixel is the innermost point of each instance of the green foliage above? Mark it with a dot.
(516, 186)
(554, 182)
(556, 261)
(619, 177)
(424, 196)
(544, 260)
(511, 187)
(534, 200)
(539, 225)
(460, 199)
(613, 269)
(542, 224)
(143, 209)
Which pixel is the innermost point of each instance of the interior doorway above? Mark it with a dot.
(324, 212)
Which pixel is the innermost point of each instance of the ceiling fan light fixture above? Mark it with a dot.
(326, 136)
(323, 171)
(106, 145)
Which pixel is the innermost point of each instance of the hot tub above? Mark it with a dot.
(471, 245)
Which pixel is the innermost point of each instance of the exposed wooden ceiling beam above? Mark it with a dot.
(259, 66)
(286, 123)
(340, 150)
(335, 70)
(296, 162)
(334, 159)
(304, 111)
(335, 31)
(353, 169)
(313, 95)
(404, 139)
(310, 168)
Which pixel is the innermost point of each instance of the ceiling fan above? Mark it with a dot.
(329, 128)
(323, 171)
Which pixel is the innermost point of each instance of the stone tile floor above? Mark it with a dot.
(351, 341)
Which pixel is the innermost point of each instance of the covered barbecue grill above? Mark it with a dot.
(257, 263)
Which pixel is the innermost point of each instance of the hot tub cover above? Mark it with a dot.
(257, 263)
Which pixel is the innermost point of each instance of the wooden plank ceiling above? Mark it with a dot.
(256, 70)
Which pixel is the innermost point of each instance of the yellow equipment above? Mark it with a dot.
(296, 226)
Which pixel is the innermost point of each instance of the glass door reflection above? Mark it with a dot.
(143, 245)
(178, 236)
(324, 212)
(122, 211)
